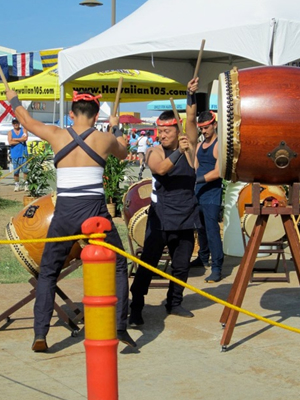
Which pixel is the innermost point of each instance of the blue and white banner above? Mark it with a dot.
(22, 64)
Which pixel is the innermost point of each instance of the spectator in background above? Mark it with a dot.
(149, 140)
(17, 138)
(156, 142)
(132, 156)
(141, 150)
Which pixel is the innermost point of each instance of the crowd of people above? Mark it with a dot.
(186, 196)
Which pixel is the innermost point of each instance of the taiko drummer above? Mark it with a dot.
(80, 157)
(173, 213)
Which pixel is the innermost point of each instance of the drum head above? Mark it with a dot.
(274, 229)
(137, 226)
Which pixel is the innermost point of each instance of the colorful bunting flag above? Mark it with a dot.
(4, 66)
(49, 57)
(22, 64)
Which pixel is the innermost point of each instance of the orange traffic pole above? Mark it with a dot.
(99, 281)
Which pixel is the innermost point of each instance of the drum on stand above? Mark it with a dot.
(33, 222)
(136, 202)
(274, 229)
(258, 125)
(136, 197)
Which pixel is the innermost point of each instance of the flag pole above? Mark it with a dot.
(4, 80)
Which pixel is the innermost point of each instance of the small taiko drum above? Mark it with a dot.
(274, 229)
(136, 197)
(258, 125)
(136, 202)
(137, 225)
(33, 222)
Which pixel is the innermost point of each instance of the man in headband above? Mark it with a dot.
(209, 194)
(173, 212)
(80, 156)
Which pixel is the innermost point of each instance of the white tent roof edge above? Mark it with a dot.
(260, 32)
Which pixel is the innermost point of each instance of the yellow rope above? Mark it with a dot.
(296, 225)
(56, 239)
(157, 271)
(193, 288)
(11, 172)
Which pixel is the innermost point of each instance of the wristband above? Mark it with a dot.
(15, 102)
(200, 179)
(191, 98)
(174, 157)
(116, 131)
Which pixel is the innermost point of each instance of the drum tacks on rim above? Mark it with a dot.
(258, 125)
(33, 222)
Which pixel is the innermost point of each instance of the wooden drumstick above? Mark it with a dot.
(180, 129)
(176, 116)
(4, 79)
(116, 105)
(199, 59)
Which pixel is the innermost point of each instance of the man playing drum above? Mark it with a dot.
(80, 156)
(209, 195)
(173, 213)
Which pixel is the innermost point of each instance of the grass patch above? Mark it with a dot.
(11, 271)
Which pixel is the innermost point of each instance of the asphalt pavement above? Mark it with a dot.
(176, 358)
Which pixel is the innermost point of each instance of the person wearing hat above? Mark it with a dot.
(209, 194)
(17, 139)
(81, 152)
(173, 213)
(141, 150)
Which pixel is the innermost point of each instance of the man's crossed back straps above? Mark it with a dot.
(78, 140)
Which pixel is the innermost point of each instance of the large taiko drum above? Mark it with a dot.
(136, 202)
(274, 229)
(259, 125)
(32, 222)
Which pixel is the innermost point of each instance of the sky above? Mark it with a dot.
(34, 25)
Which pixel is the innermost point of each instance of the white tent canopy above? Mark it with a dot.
(165, 37)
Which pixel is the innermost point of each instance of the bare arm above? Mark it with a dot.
(12, 141)
(41, 130)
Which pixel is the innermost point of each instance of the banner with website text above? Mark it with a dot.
(137, 86)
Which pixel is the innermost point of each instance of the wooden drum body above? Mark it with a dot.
(274, 229)
(259, 125)
(33, 222)
(136, 203)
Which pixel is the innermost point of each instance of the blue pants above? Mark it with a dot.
(16, 165)
(180, 245)
(69, 214)
(209, 237)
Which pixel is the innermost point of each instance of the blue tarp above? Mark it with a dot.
(163, 105)
(67, 121)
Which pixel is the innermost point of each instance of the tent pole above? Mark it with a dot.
(61, 106)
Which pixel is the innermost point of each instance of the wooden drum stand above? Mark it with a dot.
(229, 316)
